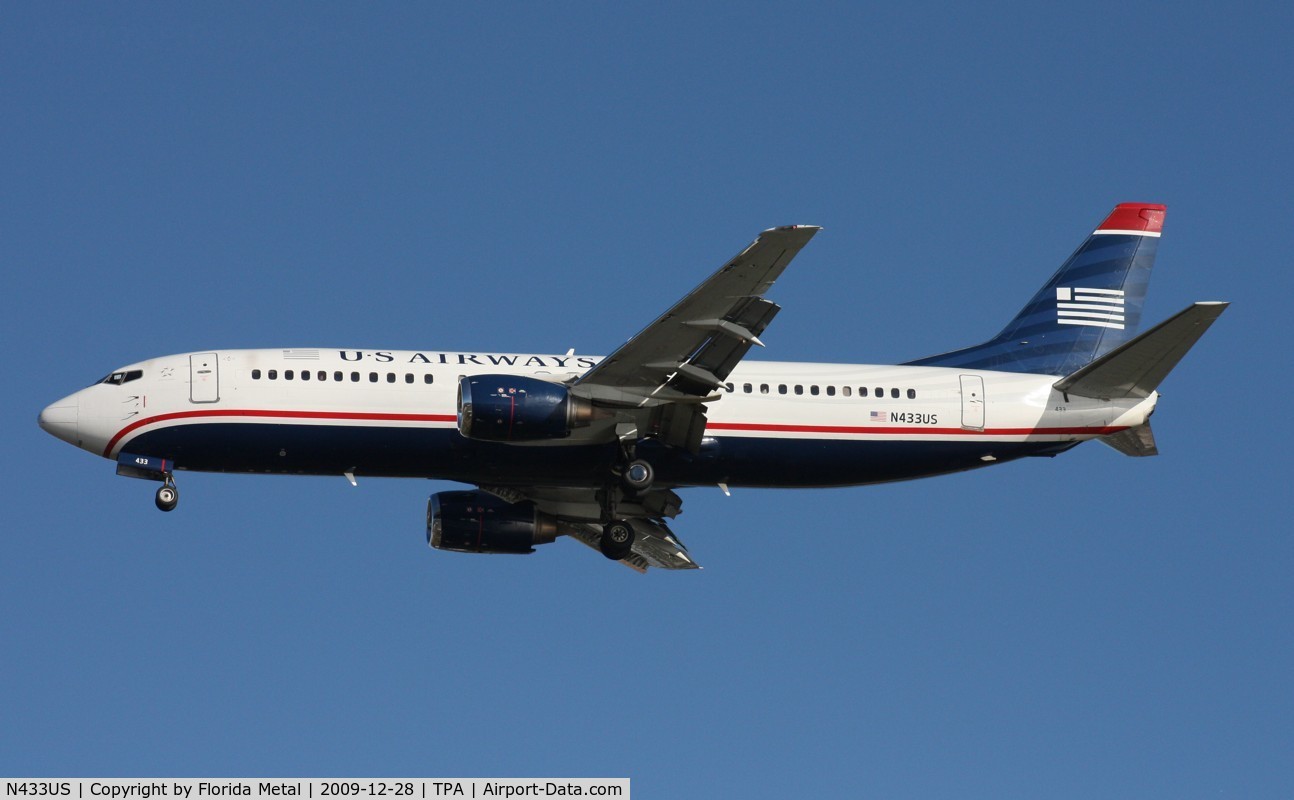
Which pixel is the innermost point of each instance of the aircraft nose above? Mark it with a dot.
(62, 419)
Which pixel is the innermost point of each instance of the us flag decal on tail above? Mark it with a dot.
(1101, 308)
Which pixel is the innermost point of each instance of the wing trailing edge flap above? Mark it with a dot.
(727, 341)
(655, 545)
(1136, 368)
(681, 426)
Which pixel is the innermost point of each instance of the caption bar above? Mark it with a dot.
(309, 788)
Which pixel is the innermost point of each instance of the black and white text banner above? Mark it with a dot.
(309, 788)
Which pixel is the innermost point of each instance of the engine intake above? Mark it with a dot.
(477, 522)
(517, 408)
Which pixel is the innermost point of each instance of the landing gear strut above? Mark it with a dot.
(617, 540)
(636, 477)
(168, 497)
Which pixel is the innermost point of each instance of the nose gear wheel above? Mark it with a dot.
(168, 497)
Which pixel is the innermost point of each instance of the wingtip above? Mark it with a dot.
(807, 228)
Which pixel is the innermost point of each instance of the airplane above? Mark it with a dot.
(594, 448)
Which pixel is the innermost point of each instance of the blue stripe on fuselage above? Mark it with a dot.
(442, 453)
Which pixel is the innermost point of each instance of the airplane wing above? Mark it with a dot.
(677, 362)
(656, 385)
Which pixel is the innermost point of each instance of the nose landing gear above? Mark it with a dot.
(152, 468)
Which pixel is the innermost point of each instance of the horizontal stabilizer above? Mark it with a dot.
(1137, 442)
(1136, 368)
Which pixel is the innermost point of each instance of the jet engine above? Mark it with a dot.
(517, 408)
(477, 522)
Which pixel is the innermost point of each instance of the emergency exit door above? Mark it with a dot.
(204, 378)
(972, 402)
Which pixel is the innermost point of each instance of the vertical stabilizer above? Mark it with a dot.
(1089, 307)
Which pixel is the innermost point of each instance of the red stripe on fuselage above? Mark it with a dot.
(878, 429)
(713, 426)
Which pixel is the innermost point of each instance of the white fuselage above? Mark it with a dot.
(392, 398)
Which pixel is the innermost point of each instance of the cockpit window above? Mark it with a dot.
(126, 376)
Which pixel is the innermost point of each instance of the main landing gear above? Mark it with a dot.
(617, 540)
(168, 497)
(636, 476)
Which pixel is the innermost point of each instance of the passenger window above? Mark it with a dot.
(880, 392)
(337, 376)
(799, 389)
(305, 374)
(831, 391)
(390, 377)
(372, 377)
(729, 387)
(256, 374)
(862, 391)
(846, 390)
(427, 378)
(323, 376)
(354, 377)
(781, 388)
(894, 393)
(274, 374)
(912, 394)
(287, 375)
(763, 388)
(747, 388)
(813, 389)
(408, 377)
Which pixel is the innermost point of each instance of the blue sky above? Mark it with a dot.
(521, 177)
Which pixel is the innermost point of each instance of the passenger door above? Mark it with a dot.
(972, 402)
(204, 378)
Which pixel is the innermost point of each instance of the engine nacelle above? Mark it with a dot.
(517, 408)
(477, 522)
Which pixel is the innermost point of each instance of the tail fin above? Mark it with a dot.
(1089, 307)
